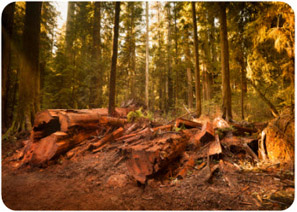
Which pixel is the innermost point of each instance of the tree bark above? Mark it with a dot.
(147, 56)
(112, 82)
(69, 24)
(7, 31)
(190, 88)
(169, 62)
(197, 70)
(29, 66)
(226, 91)
(96, 87)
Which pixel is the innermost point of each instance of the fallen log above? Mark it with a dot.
(52, 120)
(187, 123)
(47, 148)
(150, 156)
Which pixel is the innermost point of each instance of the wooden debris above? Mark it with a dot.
(51, 146)
(241, 130)
(112, 136)
(204, 136)
(220, 123)
(187, 167)
(150, 156)
(240, 142)
(187, 123)
(57, 131)
(215, 147)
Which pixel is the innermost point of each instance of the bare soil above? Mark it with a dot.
(101, 181)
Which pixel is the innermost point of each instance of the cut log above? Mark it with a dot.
(51, 146)
(52, 120)
(46, 122)
(116, 122)
(81, 120)
(187, 123)
(150, 156)
(204, 136)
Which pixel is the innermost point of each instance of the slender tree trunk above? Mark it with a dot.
(169, 62)
(147, 55)
(197, 70)
(226, 93)
(133, 52)
(29, 66)
(7, 31)
(190, 88)
(112, 82)
(176, 60)
(242, 94)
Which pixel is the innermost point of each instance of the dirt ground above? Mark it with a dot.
(101, 181)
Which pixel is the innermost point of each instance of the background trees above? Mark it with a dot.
(74, 63)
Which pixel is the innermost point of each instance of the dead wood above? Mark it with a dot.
(187, 123)
(150, 156)
(203, 136)
(112, 136)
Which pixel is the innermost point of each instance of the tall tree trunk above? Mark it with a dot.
(69, 24)
(197, 70)
(133, 52)
(71, 29)
(147, 56)
(226, 93)
(169, 86)
(96, 87)
(190, 88)
(176, 60)
(7, 31)
(112, 82)
(29, 66)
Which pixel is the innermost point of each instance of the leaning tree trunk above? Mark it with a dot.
(29, 67)
(197, 70)
(226, 95)
(112, 82)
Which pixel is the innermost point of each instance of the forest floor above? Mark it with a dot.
(93, 181)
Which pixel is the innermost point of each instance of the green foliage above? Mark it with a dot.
(138, 114)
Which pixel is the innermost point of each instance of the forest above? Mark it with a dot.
(206, 89)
